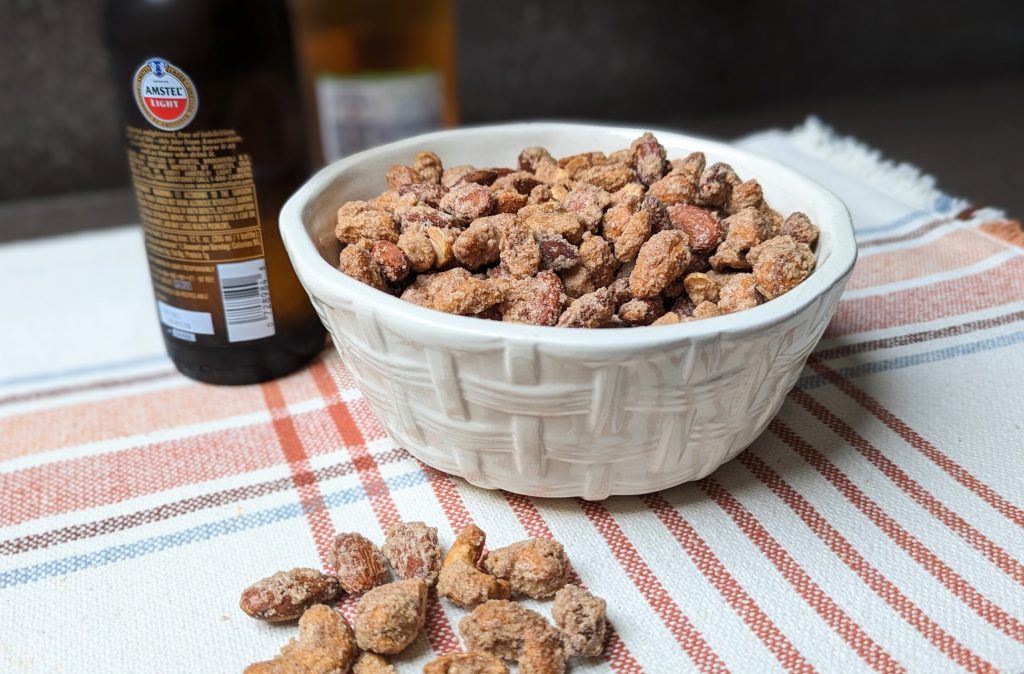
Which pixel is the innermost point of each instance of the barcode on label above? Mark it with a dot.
(246, 296)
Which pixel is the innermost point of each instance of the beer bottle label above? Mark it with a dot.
(197, 201)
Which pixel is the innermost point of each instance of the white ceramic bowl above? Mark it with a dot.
(560, 411)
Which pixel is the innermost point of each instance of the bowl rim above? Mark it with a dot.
(323, 281)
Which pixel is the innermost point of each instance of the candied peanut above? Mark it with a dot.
(648, 158)
(596, 255)
(509, 201)
(415, 243)
(632, 236)
(514, 632)
(588, 203)
(641, 311)
(399, 175)
(556, 254)
(442, 240)
(391, 260)
(460, 580)
(357, 262)
(536, 567)
(423, 216)
(780, 264)
(800, 227)
(468, 201)
(716, 184)
(371, 663)
(425, 194)
(657, 213)
(478, 245)
(518, 250)
(286, 594)
(325, 645)
(474, 662)
(412, 550)
(701, 288)
(550, 221)
(357, 221)
(611, 178)
(429, 166)
(532, 157)
(737, 294)
(703, 227)
(581, 618)
(577, 281)
(592, 310)
(390, 617)
(357, 562)
(537, 300)
(747, 194)
(661, 261)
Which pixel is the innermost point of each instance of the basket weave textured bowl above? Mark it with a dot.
(559, 411)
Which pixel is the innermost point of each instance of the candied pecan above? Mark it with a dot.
(509, 201)
(701, 287)
(429, 166)
(737, 294)
(371, 663)
(632, 236)
(577, 282)
(480, 177)
(357, 262)
(357, 562)
(532, 157)
(399, 175)
(514, 632)
(716, 183)
(611, 178)
(553, 222)
(357, 221)
(744, 230)
(537, 300)
(703, 227)
(588, 203)
(747, 194)
(478, 245)
(415, 243)
(411, 549)
(780, 264)
(286, 594)
(460, 580)
(519, 250)
(474, 662)
(596, 255)
(451, 176)
(592, 310)
(661, 260)
(325, 645)
(517, 181)
(648, 158)
(657, 213)
(442, 240)
(556, 253)
(423, 216)
(581, 618)
(536, 567)
(641, 311)
(800, 227)
(540, 194)
(426, 193)
(674, 189)
(390, 617)
(391, 260)
(468, 201)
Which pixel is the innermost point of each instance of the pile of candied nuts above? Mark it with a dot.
(585, 241)
(390, 615)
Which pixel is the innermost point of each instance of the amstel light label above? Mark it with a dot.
(165, 95)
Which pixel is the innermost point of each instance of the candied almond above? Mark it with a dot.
(416, 246)
(517, 181)
(701, 288)
(429, 166)
(747, 194)
(451, 176)
(509, 201)
(596, 255)
(412, 550)
(567, 225)
(593, 310)
(661, 261)
(581, 618)
(737, 294)
(423, 216)
(532, 157)
(478, 245)
(513, 632)
(425, 194)
(556, 254)
(286, 594)
(674, 189)
(442, 240)
(519, 250)
(703, 227)
(800, 227)
(716, 184)
(357, 262)
(357, 562)
(389, 617)
(641, 311)
(468, 201)
(577, 281)
(634, 233)
(610, 178)
(399, 175)
(780, 264)
(648, 158)
(657, 213)
(357, 221)
(480, 177)
(537, 300)
(587, 202)
(690, 167)
(393, 264)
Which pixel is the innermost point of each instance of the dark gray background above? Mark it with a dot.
(939, 84)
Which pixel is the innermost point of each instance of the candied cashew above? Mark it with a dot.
(747, 194)
(390, 617)
(701, 288)
(356, 220)
(417, 248)
(371, 663)
(326, 645)
(780, 264)
(460, 580)
(513, 632)
(478, 245)
(286, 594)
(577, 281)
(716, 184)
(536, 567)
(581, 618)
(551, 221)
(588, 203)
(474, 662)
(518, 250)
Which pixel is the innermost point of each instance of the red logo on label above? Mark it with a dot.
(165, 95)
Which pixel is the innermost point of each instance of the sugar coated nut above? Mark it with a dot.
(662, 259)
(513, 632)
(581, 618)
(356, 220)
(326, 645)
(593, 310)
(536, 567)
(474, 662)
(412, 550)
(371, 663)
(286, 594)
(389, 617)
(357, 562)
(779, 265)
(461, 581)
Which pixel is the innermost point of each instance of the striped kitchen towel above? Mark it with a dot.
(877, 525)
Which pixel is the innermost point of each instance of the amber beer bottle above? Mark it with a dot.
(216, 142)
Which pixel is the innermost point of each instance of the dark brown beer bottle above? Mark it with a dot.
(216, 143)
